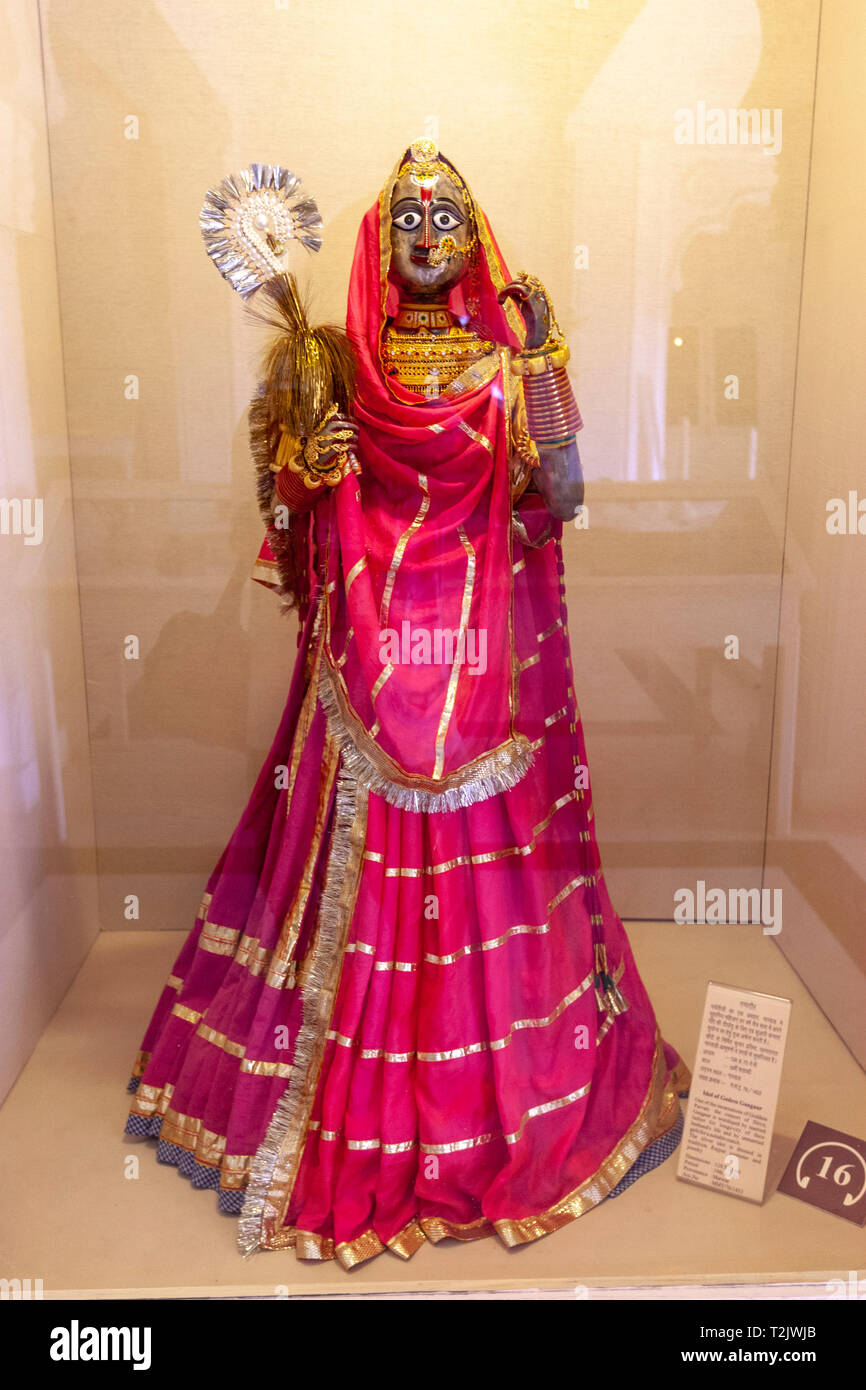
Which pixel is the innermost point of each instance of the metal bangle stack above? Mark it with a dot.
(551, 409)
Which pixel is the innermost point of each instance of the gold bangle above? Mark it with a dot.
(535, 363)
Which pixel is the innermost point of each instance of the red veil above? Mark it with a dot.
(418, 567)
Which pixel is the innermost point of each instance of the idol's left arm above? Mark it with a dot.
(552, 414)
(559, 479)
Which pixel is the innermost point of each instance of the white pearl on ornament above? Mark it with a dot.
(261, 220)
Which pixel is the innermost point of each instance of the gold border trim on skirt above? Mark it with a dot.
(657, 1115)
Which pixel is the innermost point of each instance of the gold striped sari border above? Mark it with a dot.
(494, 1045)
(486, 857)
(400, 550)
(451, 695)
(356, 569)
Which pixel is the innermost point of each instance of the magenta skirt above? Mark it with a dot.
(390, 1026)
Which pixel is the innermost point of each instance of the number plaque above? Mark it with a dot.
(828, 1170)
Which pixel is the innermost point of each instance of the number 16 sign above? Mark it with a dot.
(828, 1170)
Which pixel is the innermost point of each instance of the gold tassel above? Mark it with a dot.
(609, 997)
(616, 1000)
(305, 371)
(286, 449)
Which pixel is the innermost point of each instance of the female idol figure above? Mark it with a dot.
(407, 1009)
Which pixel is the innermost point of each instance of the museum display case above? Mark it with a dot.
(677, 183)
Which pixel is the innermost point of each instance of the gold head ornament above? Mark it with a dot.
(425, 164)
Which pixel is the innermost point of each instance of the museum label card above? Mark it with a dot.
(735, 1086)
(828, 1170)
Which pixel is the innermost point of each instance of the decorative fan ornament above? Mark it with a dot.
(308, 373)
(248, 221)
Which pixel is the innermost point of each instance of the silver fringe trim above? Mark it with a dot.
(495, 773)
(317, 1005)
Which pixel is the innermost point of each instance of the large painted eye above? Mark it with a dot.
(445, 221)
(408, 221)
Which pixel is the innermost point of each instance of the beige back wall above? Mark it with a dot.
(49, 914)
(816, 853)
(562, 119)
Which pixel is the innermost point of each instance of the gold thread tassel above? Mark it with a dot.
(306, 370)
(308, 374)
(608, 995)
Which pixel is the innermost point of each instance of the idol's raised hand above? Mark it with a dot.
(534, 306)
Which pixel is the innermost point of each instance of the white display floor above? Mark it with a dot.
(72, 1218)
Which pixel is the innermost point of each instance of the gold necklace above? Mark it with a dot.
(426, 350)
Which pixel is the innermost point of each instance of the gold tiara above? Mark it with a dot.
(424, 164)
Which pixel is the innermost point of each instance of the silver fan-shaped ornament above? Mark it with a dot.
(249, 219)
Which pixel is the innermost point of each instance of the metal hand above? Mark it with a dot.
(533, 306)
(340, 434)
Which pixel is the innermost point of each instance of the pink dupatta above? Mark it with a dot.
(419, 677)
